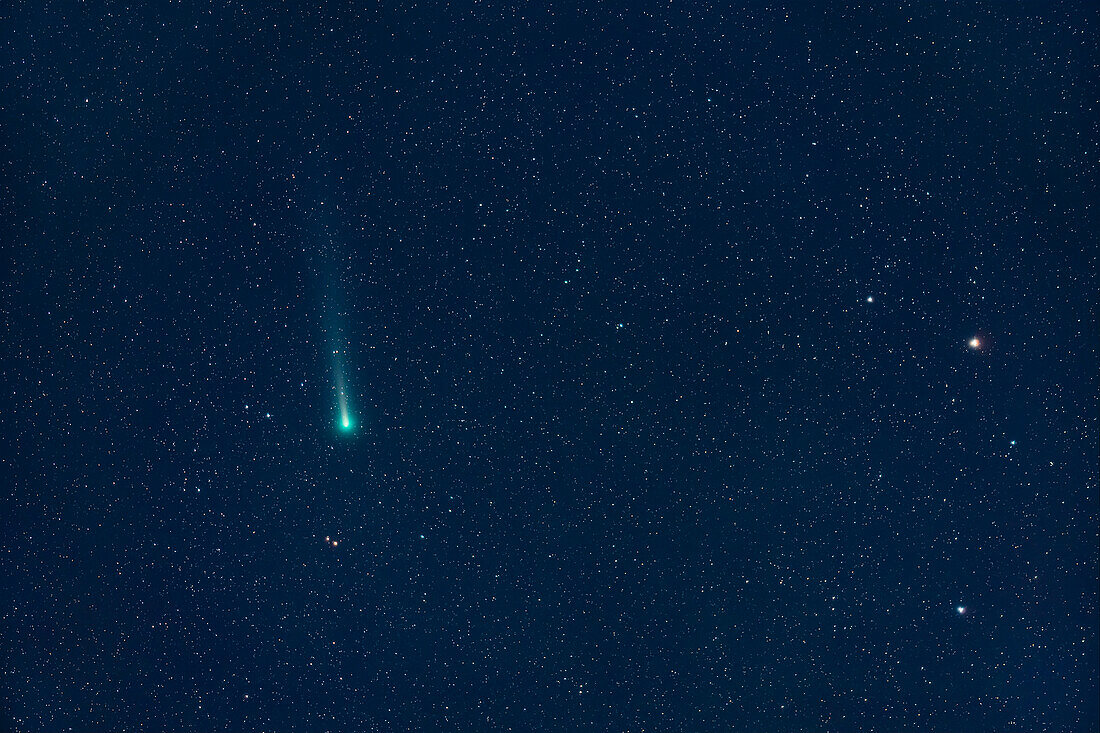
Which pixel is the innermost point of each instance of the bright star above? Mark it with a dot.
(960, 610)
(975, 343)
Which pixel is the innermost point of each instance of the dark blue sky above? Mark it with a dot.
(656, 329)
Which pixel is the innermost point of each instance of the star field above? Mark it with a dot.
(479, 367)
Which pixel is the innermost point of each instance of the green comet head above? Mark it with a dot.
(345, 423)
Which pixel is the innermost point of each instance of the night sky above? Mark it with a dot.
(703, 369)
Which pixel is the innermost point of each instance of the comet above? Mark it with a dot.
(344, 419)
(346, 423)
(333, 316)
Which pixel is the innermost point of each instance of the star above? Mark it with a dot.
(975, 343)
(961, 610)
